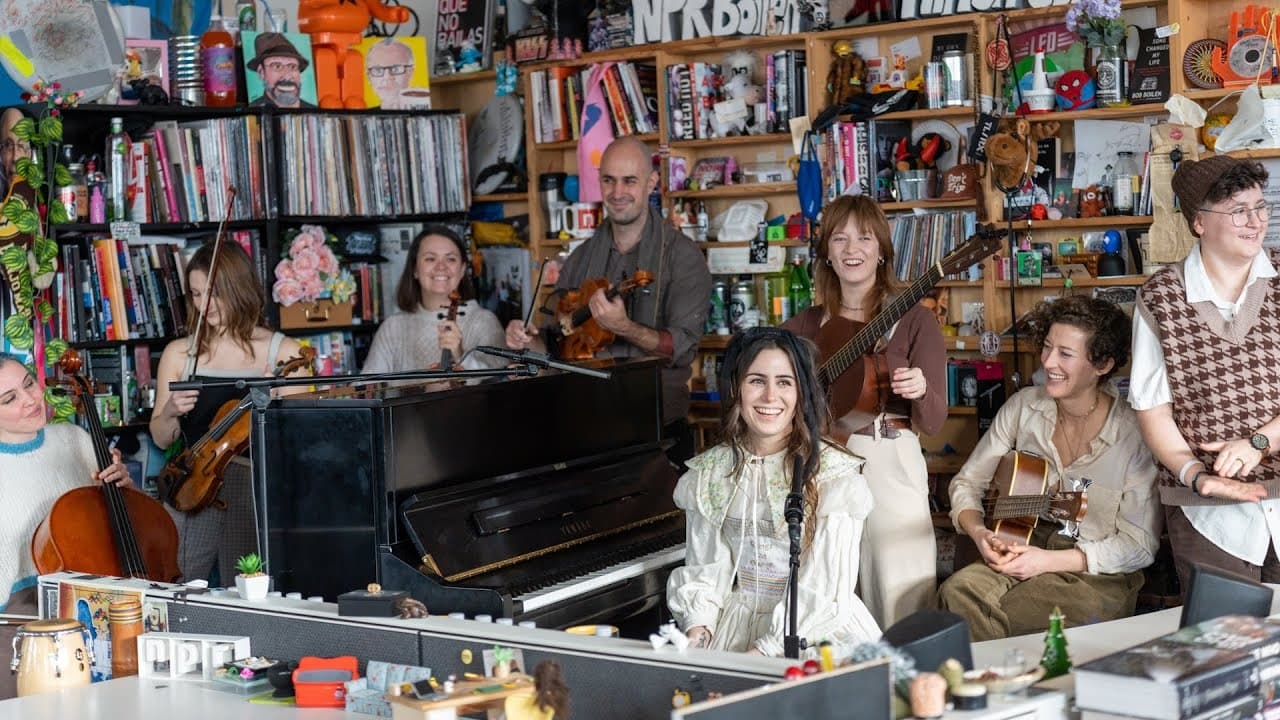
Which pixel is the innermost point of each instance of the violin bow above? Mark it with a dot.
(193, 343)
(533, 300)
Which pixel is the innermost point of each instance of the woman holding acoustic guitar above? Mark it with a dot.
(1088, 440)
(855, 281)
(38, 463)
(235, 343)
(437, 312)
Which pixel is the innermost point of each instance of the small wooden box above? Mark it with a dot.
(318, 314)
(1089, 260)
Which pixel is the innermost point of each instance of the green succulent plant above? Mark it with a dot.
(249, 565)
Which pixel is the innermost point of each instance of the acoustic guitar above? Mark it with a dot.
(1019, 495)
(849, 370)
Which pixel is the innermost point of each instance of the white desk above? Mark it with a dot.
(137, 699)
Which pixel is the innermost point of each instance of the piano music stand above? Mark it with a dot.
(260, 393)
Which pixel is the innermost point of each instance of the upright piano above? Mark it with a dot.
(543, 498)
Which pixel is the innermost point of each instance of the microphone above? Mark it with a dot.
(528, 357)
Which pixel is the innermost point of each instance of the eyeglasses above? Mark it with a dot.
(380, 70)
(280, 67)
(1240, 216)
(11, 145)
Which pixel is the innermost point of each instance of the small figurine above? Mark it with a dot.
(468, 57)
(848, 74)
(680, 698)
(928, 693)
(1055, 660)
(408, 608)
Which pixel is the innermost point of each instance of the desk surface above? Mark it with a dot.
(152, 699)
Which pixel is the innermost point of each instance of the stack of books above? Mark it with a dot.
(1227, 668)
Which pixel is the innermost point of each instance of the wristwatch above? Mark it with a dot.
(1261, 443)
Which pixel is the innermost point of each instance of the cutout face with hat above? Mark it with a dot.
(282, 70)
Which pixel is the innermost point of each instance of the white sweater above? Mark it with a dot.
(411, 341)
(32, 476)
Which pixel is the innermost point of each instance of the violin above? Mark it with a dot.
(190, 482)
(446, 355)
(581, 334)
(104, 529)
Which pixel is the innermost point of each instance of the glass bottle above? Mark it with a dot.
(778, 288)
(801, 290)
(97, 183)
(246, 15)
(117, 172)
(81, 183)
(1124, 179)
(1110, 74)
(218, 58)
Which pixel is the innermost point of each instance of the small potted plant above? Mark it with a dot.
(252, 583)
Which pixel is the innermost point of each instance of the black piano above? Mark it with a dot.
(537, 498)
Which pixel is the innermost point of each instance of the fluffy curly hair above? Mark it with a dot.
(1108, 327)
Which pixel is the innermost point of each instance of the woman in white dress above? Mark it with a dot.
(730, 594)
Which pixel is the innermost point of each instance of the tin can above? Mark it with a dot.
(67, 196)
(718, 317)
(956, 65)
(741, 300)
(934, 85)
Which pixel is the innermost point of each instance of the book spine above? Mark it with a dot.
(1229, 681)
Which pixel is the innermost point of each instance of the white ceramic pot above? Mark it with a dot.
(253, 588)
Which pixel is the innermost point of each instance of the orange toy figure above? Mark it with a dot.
(334, 26)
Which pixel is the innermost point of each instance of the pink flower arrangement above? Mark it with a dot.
(310, 271)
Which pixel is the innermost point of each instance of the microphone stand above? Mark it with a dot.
(260, 394)
(793, 511)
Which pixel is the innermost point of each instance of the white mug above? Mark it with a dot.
(580, 219)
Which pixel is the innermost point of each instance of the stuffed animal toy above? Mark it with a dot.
(1092, 202)
(1010, 150)
(848, 74)
(739, 85)
(921, 154)
(334, 26)
(1075, 91)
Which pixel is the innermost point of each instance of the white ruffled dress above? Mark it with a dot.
(735, 574)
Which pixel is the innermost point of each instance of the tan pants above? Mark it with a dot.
(1189, 547)
(899, 568)
(998, 606)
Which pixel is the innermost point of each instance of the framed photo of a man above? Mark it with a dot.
(396, 73)
(279, 70)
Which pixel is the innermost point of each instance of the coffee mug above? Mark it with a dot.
(580, 219)
(415, 98)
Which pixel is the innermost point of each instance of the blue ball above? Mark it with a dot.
(570, 189)
(1112, 242)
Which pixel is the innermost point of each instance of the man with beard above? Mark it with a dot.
(280, 67)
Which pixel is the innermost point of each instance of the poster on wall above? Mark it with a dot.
(396, 73)
(462, 36)
(279, 72)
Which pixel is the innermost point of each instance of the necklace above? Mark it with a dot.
(850, 307)
(1087, 413)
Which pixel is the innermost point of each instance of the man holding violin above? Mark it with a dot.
(665, 318)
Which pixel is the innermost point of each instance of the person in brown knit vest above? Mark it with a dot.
(1206, 347)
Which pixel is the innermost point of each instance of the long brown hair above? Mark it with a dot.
(867, 217)
(408, 291)
(808, 425)
(237, 289)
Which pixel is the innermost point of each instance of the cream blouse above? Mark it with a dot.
(1121, 527)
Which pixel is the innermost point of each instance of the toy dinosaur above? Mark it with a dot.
(334, 26)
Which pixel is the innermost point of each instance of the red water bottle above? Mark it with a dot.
(218, 57)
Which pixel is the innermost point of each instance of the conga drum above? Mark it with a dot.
(50, 655)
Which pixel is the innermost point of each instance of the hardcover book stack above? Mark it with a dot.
(1227, 668)
(181, 170)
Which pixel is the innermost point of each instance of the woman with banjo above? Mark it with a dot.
(230, 340)
(907, 386)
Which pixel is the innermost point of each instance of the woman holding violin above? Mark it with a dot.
(234, 343)
(439, 321)
(855, 280)
(38, 463)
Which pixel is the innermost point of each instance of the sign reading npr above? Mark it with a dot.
(667, 20)
(916, 9)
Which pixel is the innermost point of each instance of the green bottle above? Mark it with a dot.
(779, 297)
(801, 290)
(1056, 661)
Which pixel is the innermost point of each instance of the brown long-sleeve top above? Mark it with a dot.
(916, 341)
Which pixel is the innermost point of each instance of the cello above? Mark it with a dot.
(581, 334)
(104, 530)
(190, 482)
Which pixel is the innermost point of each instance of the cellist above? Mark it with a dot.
(234, 343)
(38, 463)
(855, 278)
(664, 319)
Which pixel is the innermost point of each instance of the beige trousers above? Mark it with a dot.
(899, 570)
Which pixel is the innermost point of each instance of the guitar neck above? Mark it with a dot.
(866, 338)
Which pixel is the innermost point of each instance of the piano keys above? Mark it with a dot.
(544, 498)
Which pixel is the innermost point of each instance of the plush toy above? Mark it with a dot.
(1075, 91)
(848, 74)
(1092, 202)
(921, 154)
(1009, 150)
(334, 26)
